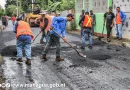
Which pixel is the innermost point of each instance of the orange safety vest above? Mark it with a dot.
(49, 22)
(23, 28)
(87, 21)
(41, 22)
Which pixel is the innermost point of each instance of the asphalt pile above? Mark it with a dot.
(36, 50)
(11, 51)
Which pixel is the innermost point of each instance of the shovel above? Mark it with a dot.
(37, 36)
(100, 37)
(80, 54)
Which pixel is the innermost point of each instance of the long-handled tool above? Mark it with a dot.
(100, 37)
(37, 36)
(80, 54)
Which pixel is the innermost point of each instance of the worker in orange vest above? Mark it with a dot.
(87, 26)
(45, 24)
(24, 36)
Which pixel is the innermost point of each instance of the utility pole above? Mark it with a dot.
(32, 5)
(17, 8)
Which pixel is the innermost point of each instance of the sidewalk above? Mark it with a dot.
(124, 42)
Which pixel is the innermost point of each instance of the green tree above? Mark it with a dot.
(2, 12)
(11, 9)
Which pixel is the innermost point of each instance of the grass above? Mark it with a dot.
(1, 75)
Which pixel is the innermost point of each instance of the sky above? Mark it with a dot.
(2, 3)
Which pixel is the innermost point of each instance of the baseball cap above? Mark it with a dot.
(110, 8)
(70, 15)
(83, 10)
(19, 18)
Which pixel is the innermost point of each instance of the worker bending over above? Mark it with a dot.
(24, 36)
(59, 25)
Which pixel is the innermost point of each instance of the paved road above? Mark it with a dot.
(106, 67)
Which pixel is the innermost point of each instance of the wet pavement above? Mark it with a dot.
(106, 67)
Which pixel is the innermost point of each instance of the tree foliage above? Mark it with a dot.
(51, 5)
(1, 11)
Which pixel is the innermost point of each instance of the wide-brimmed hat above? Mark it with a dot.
(83, 10)
(43, 13)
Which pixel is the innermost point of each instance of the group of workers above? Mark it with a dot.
(88, 22)
(50, 23)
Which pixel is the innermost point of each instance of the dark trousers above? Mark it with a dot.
(92, 29)
(54, 40)
(109, 29)
(43, 36)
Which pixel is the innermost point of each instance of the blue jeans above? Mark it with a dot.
(27, 48)
(81, 30)
(84, 34)
(119, 30)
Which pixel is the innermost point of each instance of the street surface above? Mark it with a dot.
(106, 67)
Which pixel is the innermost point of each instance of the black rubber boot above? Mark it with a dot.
(44, 57)
(28, 62)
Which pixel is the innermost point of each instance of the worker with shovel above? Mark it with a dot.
(24, 36)
(59, 26)
(109, 21)
(87, 25)
(45, 23)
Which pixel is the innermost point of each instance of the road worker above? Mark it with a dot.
(45, 23)
(81, 16)
(87, 26)
(120, 19)
(24, 36)
(109, 21)
(13, 18)
(4, 21)
(92, 15)
(59, 25)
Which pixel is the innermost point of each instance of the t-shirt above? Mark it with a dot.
(109, 17)
(13, 18)
(118, 19)
(93, 18)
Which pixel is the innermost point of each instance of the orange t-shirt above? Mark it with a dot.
(118, 19)
(13, 18)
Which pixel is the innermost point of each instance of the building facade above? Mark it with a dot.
(99, 7)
